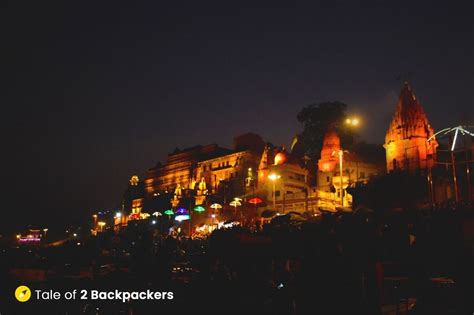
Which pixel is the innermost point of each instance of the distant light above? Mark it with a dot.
(352, 121)
(199, 209)
(118, 214)
(78, 243)
(75, 235)
(153, 222)
(213, 216)
(250, 169)
(182, 217)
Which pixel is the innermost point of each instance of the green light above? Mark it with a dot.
(169, 212)
(199, 209)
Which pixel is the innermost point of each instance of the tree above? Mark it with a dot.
(316, 120)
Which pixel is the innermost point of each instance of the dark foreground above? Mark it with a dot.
(363, 263)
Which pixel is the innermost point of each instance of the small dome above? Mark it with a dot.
(280, 158)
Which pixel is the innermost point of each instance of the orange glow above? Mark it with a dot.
(280, 158)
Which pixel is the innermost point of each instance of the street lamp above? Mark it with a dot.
(352, 121)
(340, 153)
(273, 177)
(101, 224)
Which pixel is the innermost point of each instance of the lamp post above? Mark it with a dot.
(273, 177)
(340, 153)
(340, 177)
(101, 225)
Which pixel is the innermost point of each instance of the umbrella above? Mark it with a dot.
(182, 217)
(216, 206)
(199, 209)
(157, 214)
(235, 203)
(169, 212)
(255, 200)
(182, 211)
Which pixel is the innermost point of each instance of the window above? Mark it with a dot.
(328, 179)
(277, 193)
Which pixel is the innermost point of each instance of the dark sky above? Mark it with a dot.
(96, 93)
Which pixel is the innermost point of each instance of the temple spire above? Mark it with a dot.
(405, 142)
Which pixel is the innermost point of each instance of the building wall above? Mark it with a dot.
(179, 169)
(227, 168)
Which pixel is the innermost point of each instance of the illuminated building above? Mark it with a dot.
(282, 179)
(207, 168)
(133, 201)
(355, 170)
(406, 143)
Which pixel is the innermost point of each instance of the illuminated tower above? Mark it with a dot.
(331, 144)
(405, 145)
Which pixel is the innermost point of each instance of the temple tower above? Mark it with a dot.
(406, 145)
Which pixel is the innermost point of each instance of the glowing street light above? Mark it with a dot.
(273, 177)
(352, 121)
(101, 224)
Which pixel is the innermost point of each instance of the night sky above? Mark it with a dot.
(95, 94)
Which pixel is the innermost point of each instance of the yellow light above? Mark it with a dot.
(250, 169)
(101, 223)
(355, 122)
(273, 177)
(94, 215)
(18, 235)
(348, 121)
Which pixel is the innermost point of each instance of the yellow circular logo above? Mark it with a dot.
(22, 293)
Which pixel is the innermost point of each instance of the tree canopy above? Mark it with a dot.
(316, 120)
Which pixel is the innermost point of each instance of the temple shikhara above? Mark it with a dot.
(406, 144)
